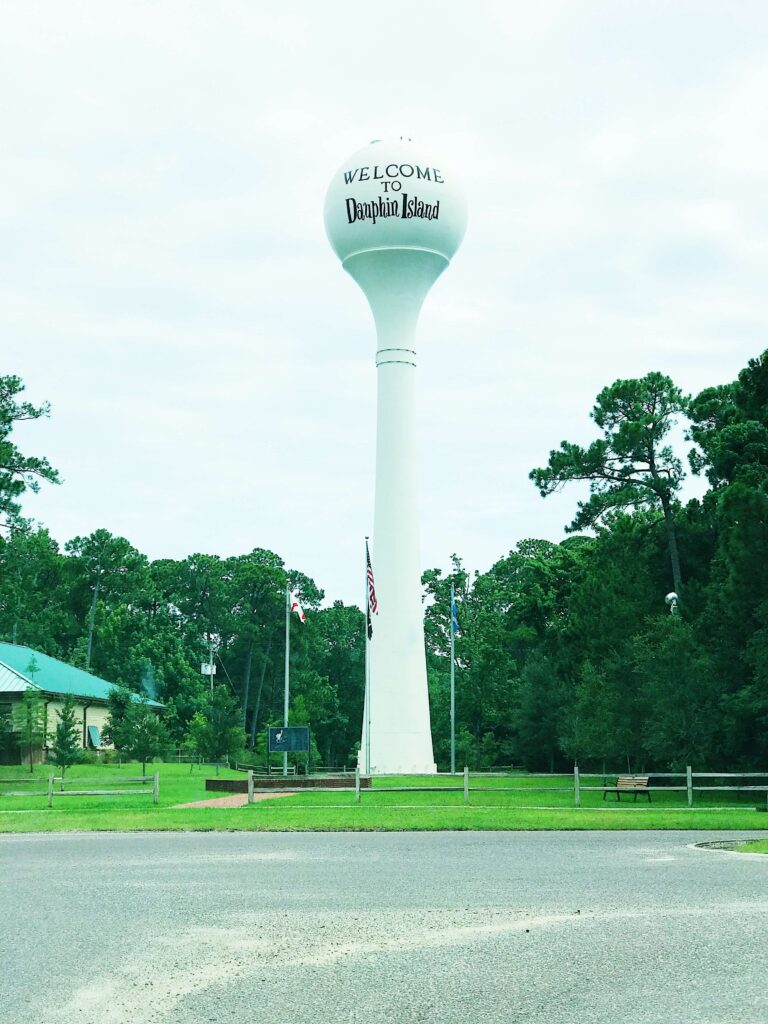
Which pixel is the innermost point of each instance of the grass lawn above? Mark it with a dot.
(538, 805)
(756, 846)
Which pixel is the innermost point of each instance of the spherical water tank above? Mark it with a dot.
(395, 195)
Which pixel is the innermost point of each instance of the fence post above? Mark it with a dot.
(466, 784)
(357, 783)
(50, 790)
(250, 787)
(689, 784)
(156, 788)
(576, 792)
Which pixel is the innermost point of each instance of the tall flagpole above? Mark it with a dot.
(367, 723)
(453, 688)
(287, 667)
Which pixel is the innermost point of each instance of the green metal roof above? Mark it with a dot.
(54, 676)
(13, 682)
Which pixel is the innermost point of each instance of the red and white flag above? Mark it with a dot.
(372, 603)
(296, 607)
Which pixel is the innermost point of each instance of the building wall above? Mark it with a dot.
(13, 752)
(10, 751)
(95, 714)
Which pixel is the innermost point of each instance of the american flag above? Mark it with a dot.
(373, 604)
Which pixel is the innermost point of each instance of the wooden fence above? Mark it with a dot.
(139, 781)
(264, 769)
(577, 787)
(28, 780)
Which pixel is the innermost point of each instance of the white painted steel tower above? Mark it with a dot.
(395, 215)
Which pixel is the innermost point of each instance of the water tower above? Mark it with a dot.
(395, 215)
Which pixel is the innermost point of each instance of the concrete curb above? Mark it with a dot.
(727, 846)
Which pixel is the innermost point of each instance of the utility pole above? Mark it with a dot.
(287, 668)
(209, 668)
(453, 685)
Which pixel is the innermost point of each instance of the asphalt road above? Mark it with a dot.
(446, 927)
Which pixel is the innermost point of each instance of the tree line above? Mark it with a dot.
(566, 651)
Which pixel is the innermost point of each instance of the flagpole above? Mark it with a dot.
(453, 689)
(287, 667)
(367, 668)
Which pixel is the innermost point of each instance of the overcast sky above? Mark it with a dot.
(166, 283)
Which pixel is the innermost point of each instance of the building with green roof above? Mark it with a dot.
(22, 669)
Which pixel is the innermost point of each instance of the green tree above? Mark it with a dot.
(216, 731)
(136, 729)
(111, 569)
(255, 595)
(595, 722)
(678, 693)
(538, 713)
(335, 653)
(118, 702)
(729, 423)
(630, 466)
(34, 592)
(65, 745)
(18, 472)
(30, 722)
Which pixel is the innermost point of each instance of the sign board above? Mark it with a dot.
(207, 669)
(287, 739)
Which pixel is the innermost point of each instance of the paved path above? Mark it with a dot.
(233, 800)
(545, 928)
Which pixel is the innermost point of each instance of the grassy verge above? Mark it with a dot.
(179, 783)
(756, 846)
(537, 805)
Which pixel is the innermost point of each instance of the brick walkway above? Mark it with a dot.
(235, 800)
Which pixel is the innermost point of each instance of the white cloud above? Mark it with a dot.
(166, 283)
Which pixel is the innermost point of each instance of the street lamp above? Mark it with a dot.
(672, 601)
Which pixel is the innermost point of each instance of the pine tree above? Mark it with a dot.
(630, 466)
(18, 473)
(135, 728)
(66, 737)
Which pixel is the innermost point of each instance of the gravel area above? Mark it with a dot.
(546, 928)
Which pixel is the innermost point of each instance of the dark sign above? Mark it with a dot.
(287, 739)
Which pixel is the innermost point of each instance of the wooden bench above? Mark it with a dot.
(637, 784)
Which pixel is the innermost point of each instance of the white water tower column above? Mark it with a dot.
(395, 217)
